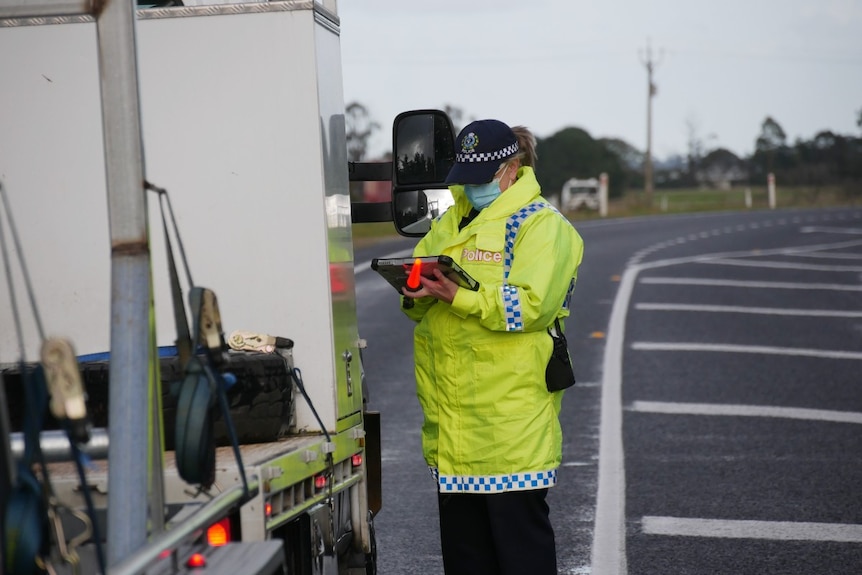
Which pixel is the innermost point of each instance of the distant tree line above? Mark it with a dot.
(828, 159)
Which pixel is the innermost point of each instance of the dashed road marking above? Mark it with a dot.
(747, 529)
(831, 230)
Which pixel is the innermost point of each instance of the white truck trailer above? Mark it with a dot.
(237, 108)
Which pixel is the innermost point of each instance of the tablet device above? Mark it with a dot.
(396, 270)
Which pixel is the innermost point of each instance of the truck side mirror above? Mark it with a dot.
(423, 142)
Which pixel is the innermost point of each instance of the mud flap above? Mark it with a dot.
(373, 466)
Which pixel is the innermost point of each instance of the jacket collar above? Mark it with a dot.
(523, 191)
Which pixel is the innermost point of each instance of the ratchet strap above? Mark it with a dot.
(26, 521)
(31, 507)
(203, 386)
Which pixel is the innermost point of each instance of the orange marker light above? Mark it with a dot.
(413, 279)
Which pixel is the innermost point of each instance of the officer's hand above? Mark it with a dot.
(440, 287)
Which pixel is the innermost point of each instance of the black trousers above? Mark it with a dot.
(506, 533)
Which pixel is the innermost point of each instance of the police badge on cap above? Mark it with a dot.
(481, 148)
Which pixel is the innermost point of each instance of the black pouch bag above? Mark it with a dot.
(559, 374)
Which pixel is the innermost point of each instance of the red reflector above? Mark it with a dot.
(356, 460)
(319, 481)
(267, 509)
(196, 560)
(219, 533)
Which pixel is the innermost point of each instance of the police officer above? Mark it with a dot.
(491, 433)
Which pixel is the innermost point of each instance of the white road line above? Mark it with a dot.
(751, 253)
(759, 349)
(782, 265)
(609, 534)
(751, 310)
(609, 542)
(825, 255)
(828, 230)
(736, 529)
(746, 411)
(749, 284)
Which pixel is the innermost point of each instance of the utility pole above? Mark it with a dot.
(650, 64)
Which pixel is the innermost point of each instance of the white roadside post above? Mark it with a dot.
(770, 186)
(603, 195)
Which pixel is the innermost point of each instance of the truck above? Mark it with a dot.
(149, 149)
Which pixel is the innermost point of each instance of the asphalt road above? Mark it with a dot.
(715, 426)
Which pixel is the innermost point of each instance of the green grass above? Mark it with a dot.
(635, 202)
(370, 234)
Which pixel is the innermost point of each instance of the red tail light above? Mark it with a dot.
(319, 482)
(219, 533)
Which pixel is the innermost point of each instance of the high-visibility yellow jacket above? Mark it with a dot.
(490, 425)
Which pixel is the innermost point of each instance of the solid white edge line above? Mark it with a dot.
(609, 537)
(732, 410)
(748, 529)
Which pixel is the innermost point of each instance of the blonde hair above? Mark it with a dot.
(526, 146)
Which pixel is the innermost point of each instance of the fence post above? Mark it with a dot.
(603, 194)
(748, 198)
(770, 186)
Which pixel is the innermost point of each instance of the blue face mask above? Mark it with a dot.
(482, 195)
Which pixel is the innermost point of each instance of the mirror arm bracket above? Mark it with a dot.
(367, 212)
(370, 172)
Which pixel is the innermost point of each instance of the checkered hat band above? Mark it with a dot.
(488, 156)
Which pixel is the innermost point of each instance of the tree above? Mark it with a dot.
(772, 137)
(359, 126)
(771, 152)
(632, 158)
(720, 168)
(697, 148)
(573, 153)
(455, 114)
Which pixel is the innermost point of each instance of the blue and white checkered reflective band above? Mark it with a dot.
(511, 298)
(487, 156)
(495, 483)
(568, 300)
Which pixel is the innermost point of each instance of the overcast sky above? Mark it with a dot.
(720, 67)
